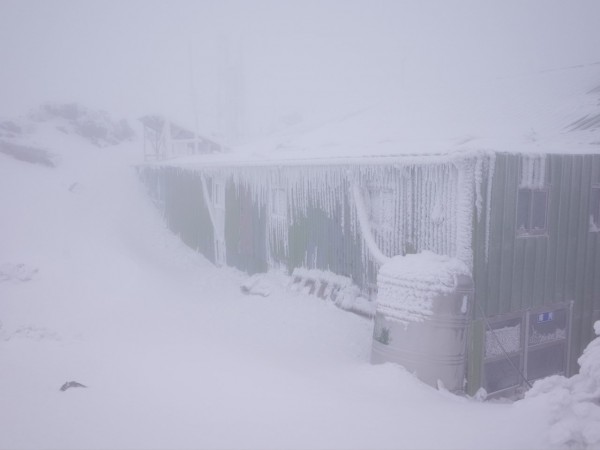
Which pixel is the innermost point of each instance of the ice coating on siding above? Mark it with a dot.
(365, 227)
(412, 203)
(408, 284)
(533, 171)
(490, 164)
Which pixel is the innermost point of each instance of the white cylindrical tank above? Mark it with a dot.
(421, 320)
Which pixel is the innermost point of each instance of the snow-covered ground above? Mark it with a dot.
(94, 289)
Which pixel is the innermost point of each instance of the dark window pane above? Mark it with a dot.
(538, 216)
(524, 211)
(501, 374)
(546, 361)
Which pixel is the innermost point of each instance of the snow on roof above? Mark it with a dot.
(553, 111)
(156, 123)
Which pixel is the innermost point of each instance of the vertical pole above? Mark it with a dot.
(568, 343)
(194, 98)
(144, 148)
(168, 143)
(526, 345)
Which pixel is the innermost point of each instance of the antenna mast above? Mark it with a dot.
(194, 97)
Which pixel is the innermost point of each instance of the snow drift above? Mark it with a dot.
(574, 402)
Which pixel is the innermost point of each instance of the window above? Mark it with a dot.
(595, 208)
(532, 205)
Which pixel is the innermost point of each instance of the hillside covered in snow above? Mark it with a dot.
(94, 290)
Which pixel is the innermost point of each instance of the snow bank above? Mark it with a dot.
(408, 284)
(574, 402)
(330, 286)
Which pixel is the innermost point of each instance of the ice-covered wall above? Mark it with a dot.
(413, 204)
(533, 171)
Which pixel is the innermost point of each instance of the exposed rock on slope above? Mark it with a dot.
(96, 126)
(19, 138)
(27, 154)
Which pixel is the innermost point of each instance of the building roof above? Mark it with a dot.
(553, 111)
(156, 123)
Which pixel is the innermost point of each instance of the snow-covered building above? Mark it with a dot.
(164, 139)
(481, 251)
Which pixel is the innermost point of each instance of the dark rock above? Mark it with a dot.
(27, 154)
(16, 272)
(71, 384)
(10, 127)
(94, 125)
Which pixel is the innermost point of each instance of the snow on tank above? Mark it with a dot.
(408, 284)
(422, 315)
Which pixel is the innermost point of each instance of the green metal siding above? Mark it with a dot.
(321, 229)
(245, 231)
(319, 241)
(563, 265)
(179, 195)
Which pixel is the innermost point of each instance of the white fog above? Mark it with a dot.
(299, 224)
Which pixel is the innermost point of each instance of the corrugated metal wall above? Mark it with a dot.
(562, 265)
(414, 207)
(327, 242)
(245, 231)
(178, 194)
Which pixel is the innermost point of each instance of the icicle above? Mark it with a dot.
(422, 203)
(478, 181)
(491, 158)
(464, 202)
(542, 180)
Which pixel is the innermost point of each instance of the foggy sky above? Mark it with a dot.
(309, 57)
